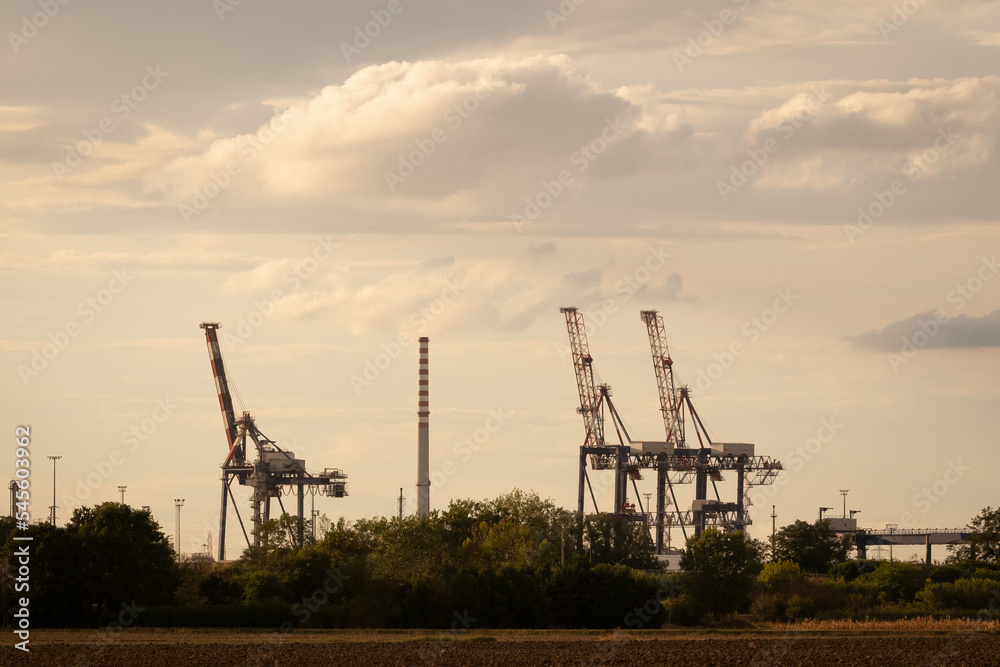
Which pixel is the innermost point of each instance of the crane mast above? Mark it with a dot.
(663, 366)
(222, 386)
(583, 365)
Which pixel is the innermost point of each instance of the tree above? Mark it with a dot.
(719, 569)
(122, 556)
(619, 542)
(812, 545)
(984, 542)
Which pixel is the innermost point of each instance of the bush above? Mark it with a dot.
(780, 575)
(799, 607)
(896, 582)
(684, 610)
(768, 607)
(961, 594)
(852, 569)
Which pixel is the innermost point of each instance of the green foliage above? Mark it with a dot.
(107, 556)
(683, 609)
(852, 569)
(619, 542)
(606, 596)
(769, 607)
(798, 608)
(780, 575)
(984, 542)
(812, 545)
(896, 581)
(965, 594)
(719, 569)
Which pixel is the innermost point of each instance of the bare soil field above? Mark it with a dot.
(775, 646)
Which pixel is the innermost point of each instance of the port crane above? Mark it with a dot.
(674, 461)
(272, 473)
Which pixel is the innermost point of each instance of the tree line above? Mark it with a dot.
(514, 561)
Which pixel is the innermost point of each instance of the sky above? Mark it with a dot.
(806, 193)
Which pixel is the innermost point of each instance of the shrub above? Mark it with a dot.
(799, 607)
(683, 609)
(768, 607)
(961, 594)
(780, 575)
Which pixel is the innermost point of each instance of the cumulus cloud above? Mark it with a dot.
(962, 331)
(839, 133)
(434, 136)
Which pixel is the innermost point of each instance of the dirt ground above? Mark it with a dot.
(170, 648)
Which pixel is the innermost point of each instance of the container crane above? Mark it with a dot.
(273, 470)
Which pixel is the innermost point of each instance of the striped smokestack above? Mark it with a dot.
(423, 436)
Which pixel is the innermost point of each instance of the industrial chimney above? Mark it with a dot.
(423, 437)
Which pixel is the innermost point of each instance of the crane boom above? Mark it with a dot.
(221, 384)
(663, 366)
(587, 387)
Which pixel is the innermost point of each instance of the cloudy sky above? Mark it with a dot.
(330, 180)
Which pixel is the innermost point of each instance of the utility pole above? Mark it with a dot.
(313, 513)
(52, 516)
(774, 525)
(122, 490)
(892, 529)
(179, 503)
(843, 492)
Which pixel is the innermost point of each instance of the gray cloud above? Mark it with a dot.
(961, 331)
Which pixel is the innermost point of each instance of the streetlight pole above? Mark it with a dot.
(179, 503)
(52, 516)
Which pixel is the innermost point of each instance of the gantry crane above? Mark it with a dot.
(595, 398)
(708, 460)
(674, 461)
(273, 469)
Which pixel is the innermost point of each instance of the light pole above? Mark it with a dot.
(52, 516)
(843, 492)
(823, 509)
(121, 489)
(179, 503)
(892, 529)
